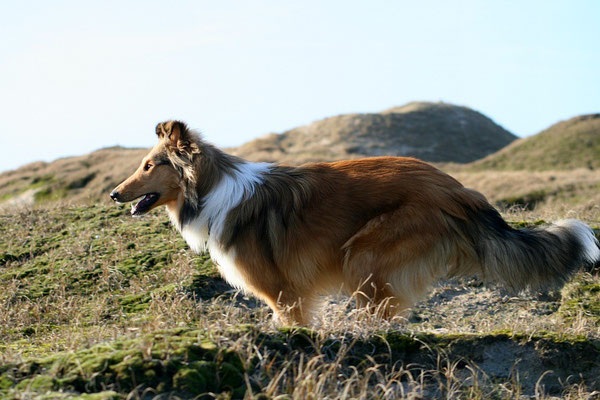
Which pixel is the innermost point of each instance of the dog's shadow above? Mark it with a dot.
(208, 288)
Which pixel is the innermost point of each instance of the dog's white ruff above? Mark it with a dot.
(226, 195)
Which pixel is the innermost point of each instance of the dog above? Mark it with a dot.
(384, 229)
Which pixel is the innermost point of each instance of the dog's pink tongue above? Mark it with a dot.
(142, 206)
(135, 207)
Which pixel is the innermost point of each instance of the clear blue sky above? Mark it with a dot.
(79, 75)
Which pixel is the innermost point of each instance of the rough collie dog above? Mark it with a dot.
(384, 229)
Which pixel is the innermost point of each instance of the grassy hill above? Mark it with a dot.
(432, 131)
(84, 178)
(95, 304)
(436, 132)
(574, 143)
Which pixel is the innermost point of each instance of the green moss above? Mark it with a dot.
(40, 384)
(300, 337)
(41, 180)
(192, 380)
(7, 196)
(134, 303)
(231, 379)
(50, 193)
(149, 258)
(527, 224)
(59, 395)
(5, 382)
(185, 361)
(105, 395)
(400, 342)
(46, 260)
(179, 360)
(581, 297)
(5, 258)
(34, 247)
(89, 254)
(134, 370)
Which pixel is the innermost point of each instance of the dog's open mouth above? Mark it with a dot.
(143, 206)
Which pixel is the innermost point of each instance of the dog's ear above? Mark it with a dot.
(172, 131)
(176, 136)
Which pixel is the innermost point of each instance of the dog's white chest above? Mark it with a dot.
(225, 261)
(227, 194)
(197, 237)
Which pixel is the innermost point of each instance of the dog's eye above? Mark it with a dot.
(147, 166)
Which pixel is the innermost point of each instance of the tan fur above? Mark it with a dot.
(159, 178)
(381, 228)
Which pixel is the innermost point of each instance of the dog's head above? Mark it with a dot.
(161, 177)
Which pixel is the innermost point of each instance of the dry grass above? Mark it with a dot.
(531, 195)
(570, 144)
(75, 277)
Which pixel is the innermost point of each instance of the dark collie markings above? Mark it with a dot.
(383, 229)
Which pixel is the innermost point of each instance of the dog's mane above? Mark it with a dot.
(201, 167)
(225, 196)
(276, 206)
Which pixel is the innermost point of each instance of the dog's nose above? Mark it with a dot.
(114, 195)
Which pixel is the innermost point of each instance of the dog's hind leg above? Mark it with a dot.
(379, 298)
(390, 264)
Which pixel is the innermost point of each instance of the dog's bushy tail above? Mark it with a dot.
(534, 258)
